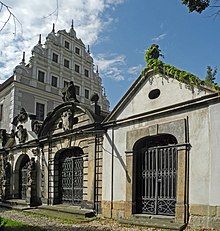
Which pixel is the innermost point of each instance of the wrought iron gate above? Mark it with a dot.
(23, 181)
(156, 180)
(71, 180)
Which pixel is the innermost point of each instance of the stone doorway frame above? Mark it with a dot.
(17, 175)
(80, 153)
(179, 129)
(155, 152)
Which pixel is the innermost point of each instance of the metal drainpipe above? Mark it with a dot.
(186, 200)
(187, 172)
(112, 171)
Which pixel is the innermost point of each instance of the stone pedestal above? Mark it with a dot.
(31, 193)
(5, 190)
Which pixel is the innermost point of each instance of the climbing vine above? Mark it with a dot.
(153, 63)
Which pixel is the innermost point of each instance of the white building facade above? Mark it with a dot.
(37, 85)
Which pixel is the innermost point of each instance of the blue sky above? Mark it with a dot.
(188, 41)
(119, 32)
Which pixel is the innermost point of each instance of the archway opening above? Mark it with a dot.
(69, 176)
(155, 175)
(23, 177)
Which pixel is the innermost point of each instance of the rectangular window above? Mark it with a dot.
(1, 112)
(77, 89)
(55, 58)
(54, 81)
(40, 111)
(65, 83)
(86, 94)
(41, 75)
(66, 63)
(67, 45)
(86, 73)
(76, 68)
(77, 50)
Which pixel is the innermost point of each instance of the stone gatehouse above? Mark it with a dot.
(153, 160)
(161, 155)
(58, 161)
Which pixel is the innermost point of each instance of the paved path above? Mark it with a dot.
(45, 223)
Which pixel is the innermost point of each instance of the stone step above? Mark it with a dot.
(148, 221)
(15, 204)
(69, 209)
(23, 205)
(64, 215)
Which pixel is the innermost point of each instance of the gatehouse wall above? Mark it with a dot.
(193, 122)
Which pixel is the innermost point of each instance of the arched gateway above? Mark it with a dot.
(23, 177)
(155, 172)
(69, 176)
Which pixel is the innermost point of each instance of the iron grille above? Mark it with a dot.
(156, 181)
(71, 180)
(24, 180)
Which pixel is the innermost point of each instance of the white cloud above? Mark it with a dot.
(36, 17)
(135, 70)
(159, 37)
(110, 66)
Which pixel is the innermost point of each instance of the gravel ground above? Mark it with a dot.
(56, 225)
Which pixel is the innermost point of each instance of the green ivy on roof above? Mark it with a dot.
(153, 63)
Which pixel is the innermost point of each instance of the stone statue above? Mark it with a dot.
(69, 93)
(67, 120)
(10, 139)
(21, 117)
(5, 180)
(153, 52)
(31, 192)
(3, 137)
(6, 172)
(21, 134)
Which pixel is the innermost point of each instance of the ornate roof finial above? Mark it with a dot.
(39, 42)
(88, 49)
(104, 93)
(53, 30)
(72, 32)
(23, 58)
(97, 69)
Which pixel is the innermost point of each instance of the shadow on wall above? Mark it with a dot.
(118, 156)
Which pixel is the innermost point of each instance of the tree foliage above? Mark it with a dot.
(200, 5)
(153, 63)
(210, 75)
(196, 5)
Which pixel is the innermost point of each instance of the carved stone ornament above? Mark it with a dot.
(69, 93)
(21, 117)
(67, 120)
(36, 151)
(35, 126)
(31, 171)
(21, 134)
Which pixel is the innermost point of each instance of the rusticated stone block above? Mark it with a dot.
(128, 209)
(106, 209)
